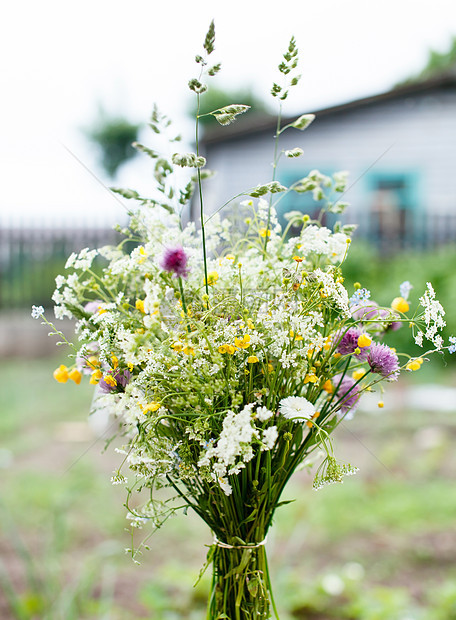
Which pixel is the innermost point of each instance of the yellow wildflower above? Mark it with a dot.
(414, 364)
(264, 232)
(61, 374)
(252, 359)
(95, 377)
(222, 348)
(139, 305)
(230, 349)
(358, 374)
(328, 386)
(298, 259)
(310, 378)
(212, 278)
(250, 324)
(177, 346)
(242, 343)
(400, 304)
(380, 404)
(115, 361)
(314, 417)
(151, 407)
(75, 376)
(230, 257)
(143, 254)
(109, 380)
(93, 362)
(364, 341)
(188, 350)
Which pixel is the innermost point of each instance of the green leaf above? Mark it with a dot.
(252, 586)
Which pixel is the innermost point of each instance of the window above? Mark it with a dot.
(393, 205)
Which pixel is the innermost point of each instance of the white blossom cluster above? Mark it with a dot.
(235, 445)
(433, 317)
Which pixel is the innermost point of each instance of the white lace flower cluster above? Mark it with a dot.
(433, 317)
(235, 445)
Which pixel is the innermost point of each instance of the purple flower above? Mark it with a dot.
(369, 311)
(366, 310)
(121, 378)
(92, 306)
(347, 393)
(175, 261)
(349, 342)
(383, 361)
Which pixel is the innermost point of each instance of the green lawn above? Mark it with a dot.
(382, 546)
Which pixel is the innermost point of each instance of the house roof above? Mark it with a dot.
(246, 127)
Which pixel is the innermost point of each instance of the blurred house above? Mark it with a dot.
(399, 148)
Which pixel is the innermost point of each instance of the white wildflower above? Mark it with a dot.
(71, 260)
(433, 316)
(263, 414)
(37, 312)
(234, 446)
(269, 437)
(85, 259)
(296, 407)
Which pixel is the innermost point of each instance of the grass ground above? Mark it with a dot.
(382, 546)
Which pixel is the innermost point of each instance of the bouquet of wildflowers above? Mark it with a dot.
(228, 354)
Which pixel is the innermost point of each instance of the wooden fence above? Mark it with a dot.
(31, 258)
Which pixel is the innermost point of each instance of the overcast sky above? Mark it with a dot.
(61, 58)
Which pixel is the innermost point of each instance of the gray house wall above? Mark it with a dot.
(413, 135)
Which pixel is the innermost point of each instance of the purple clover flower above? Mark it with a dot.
(347, 394)
(364, 310)
(175, 260)
(370, 311)
(383, 361)
(349, 342)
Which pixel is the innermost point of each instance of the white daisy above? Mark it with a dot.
(296, 407)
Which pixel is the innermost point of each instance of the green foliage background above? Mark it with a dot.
(382, 275)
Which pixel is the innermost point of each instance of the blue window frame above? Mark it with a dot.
(393, 207)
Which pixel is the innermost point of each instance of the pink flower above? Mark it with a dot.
(175, 261)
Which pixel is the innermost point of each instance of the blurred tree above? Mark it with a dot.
(437, 62)
(216, 98)
(113, 135)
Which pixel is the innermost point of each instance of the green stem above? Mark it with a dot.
(200, 191)
(274, 169)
